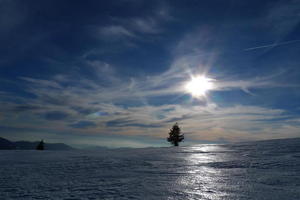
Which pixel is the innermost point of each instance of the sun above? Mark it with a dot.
(199, 85)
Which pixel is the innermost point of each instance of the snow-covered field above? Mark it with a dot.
(261, 170)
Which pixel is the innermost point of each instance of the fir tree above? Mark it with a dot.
(175, 135)
(40, 146)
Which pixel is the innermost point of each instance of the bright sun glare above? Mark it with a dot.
(198, 86)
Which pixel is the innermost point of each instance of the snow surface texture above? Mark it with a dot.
(261, 170)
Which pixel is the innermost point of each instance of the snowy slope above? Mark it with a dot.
(260, 170)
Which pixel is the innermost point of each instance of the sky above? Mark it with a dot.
(114, 73)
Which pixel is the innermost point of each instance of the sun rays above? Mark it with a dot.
(198, 86)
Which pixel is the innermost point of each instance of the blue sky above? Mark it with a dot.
(113, 73)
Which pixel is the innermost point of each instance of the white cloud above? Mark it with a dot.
(115, 32)
(135, 28)
(206, 121)
(145, 25)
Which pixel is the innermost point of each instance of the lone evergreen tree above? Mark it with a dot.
(175, 135)
(40, 146)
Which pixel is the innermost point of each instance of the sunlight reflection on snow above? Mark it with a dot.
(201, 181)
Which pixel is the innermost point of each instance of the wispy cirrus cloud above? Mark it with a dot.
(279, 20)
(272, 45)
(97, 109)
(115, 32)
(135, 28)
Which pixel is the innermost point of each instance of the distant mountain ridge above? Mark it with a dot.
(26, 145)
